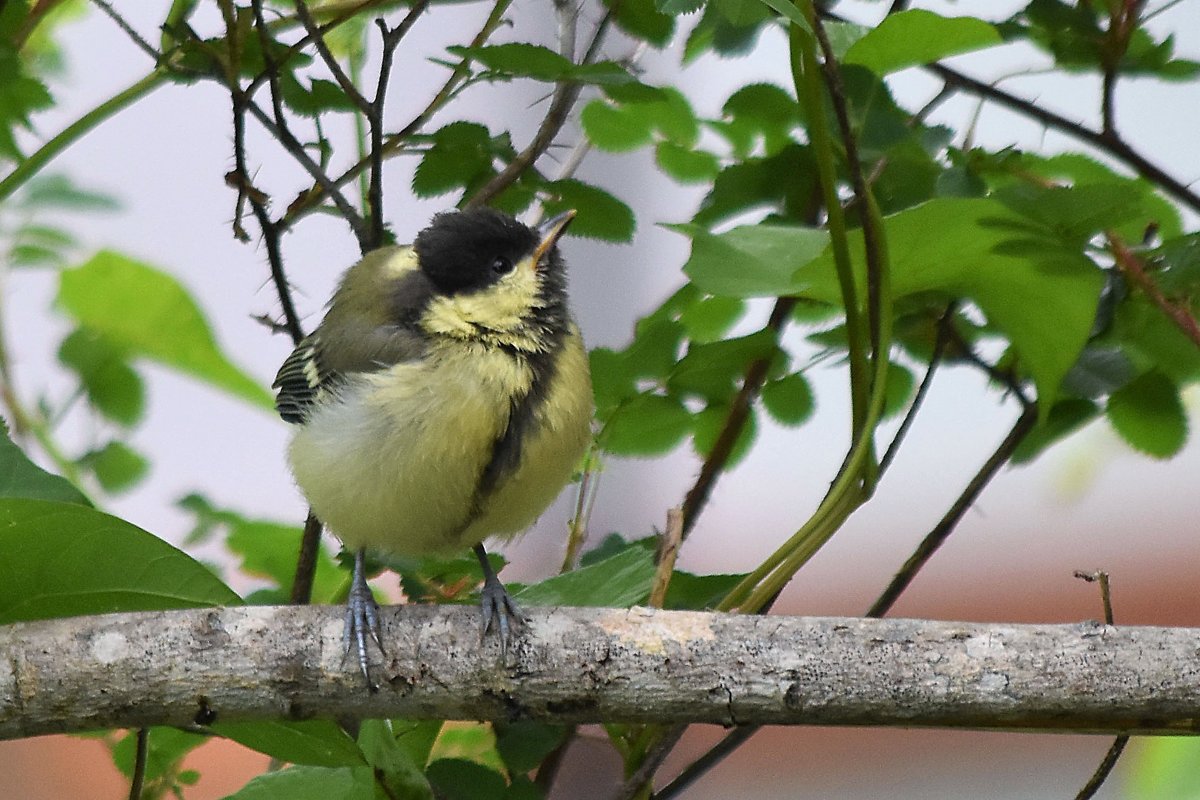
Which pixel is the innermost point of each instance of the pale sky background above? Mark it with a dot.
(1090, 503)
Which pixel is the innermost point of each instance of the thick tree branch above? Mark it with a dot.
(587, 665)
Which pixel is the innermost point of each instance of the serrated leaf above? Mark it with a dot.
(642, 19)
(315, 742)
(709, 318)
(21, 478)
(698, 592)
(1149, 415)
(711, 369)
(460, 154)
(116, 466)
(64, 560)
(60, 192)
(601, 216)
(619, 581)
(709, 424)
(646, 425)
(1067, 416)
(994, 256)
(913, 37)
(752, 260)
(612, 128)
(789, 400)
(684, 164)
(150, 314)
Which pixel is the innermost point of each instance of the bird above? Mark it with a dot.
(444, 398)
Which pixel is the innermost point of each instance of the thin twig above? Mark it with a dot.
(561, 103)
(739, 411)
(713, 756)
(128, 30)
(664, 558)
(652, 760)
(937, 537)
(1111, 144)
(331, 63)
(1106, 765)
(935, 358)
(306, 561)
(138, 778)
(1135, 271)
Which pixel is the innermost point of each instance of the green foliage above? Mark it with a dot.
(149, 314)
(316, 743)
(21, 478)
(65, 559)
(1017, 245)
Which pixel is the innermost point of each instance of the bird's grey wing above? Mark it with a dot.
(315, 369)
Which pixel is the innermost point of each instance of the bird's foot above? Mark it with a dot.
(499, 612)
(362, 620)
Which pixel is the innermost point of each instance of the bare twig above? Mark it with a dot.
(138, 778)
(937, 537)
(561, 103)
(317, 37)
(651, 761)
(1135, 271)
(664, 559)
(127, 29)
(739, 411)
(1106, 765)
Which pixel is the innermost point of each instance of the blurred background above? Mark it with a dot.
(1089, 503)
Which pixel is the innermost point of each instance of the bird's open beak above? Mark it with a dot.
(549, 232)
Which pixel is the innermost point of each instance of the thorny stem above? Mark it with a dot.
(1106, 765)
(1135, 272)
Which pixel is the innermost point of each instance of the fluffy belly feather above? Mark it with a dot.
(394, 461)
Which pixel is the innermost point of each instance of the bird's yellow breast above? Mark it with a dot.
(393, 460)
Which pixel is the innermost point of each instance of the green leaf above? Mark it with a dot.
(21, 478)
(116, 466)
(1149, 415)
(601, 216)
(613, 128)
(677, 7)
(916, 36)
(992, 255)
(1067, 416)
(268, 549)
(521, 59)
(899, 388)
(467, 741)
(789, 400)
(523, 744)
(641, 19)
(698, 592)
(60, 192)
(646, 425)
(150, 314)
(685, 164)
(64, 560)
(711, 370)
(1166, 767)
(310, 783)
(319, 97)
(395, 768)
(314, 742)
(416, 737)
(112, 386)
(460, 154)
(753, 260)
(711, 317)
(619, 581)
(458, 779)
(709, 424)
(166, 747)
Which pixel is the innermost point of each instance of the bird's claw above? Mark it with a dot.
(499, 612)
(362, 621)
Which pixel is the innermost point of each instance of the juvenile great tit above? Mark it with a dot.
(444, 398)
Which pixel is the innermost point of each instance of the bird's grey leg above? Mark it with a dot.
(362, 617)
(499, 610)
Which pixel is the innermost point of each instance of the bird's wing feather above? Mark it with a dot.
(310, 371)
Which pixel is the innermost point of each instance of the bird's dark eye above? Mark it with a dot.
(501, 265)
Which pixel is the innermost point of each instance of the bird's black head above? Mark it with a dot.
(463, 251)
